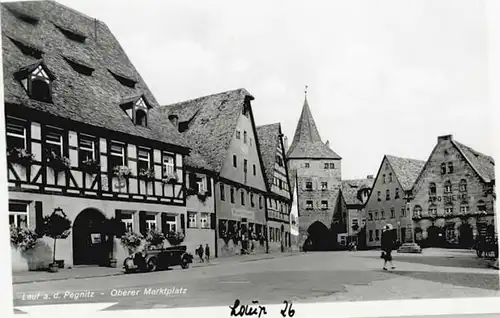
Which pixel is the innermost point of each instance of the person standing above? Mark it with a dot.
(200, 253)
(387, 245)
(207, 253)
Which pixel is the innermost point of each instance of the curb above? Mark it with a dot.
(65, 278)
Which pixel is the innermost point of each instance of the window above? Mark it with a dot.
(128, 220)
(254, 170)
(309, 186)
(324, 204)
(387, 194)
(18, 213)
(192, 220)
(38, 84)
(464, 209)
(450, 167)
(86, 148)
(396, 193)
(150, 222)
(377, 237)
(143, 159)
(447, 187)
(202, 185)
(252, 203)
(332, 166)
(137, 111)
(306, 165)
(309, 205)
(393, 214)
(481, 206)
(141, 118)
(417, 211)
(205, 220)
(355, 222)
(168, 165)
(443, 168)
(235, 161)
(376, 215)
(378, 196)
(245, 137)
(117, 155)
(170, 224)
(222, 192)
(382, 215)
(327, 165)
(324, 186)
(238, 134)
(16, 133)
(383, 178)
(231, 194)
(260, 202)
(54, 141)
(432, 210)
(370, 216)
(403, 211)
(390, 177)
(463, 185)
(432, 188)
(370, 235)
(448, 210)
(242, 196)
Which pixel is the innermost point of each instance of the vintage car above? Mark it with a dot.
(157, 259)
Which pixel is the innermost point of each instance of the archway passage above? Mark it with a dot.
(89, 242)
(320, 237)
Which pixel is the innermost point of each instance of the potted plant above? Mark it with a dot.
(91, 166)
(202, 196)
(58, 163)
(170, 178)
(56, 226)
(20, 156)
(146, 174)
(155, 239)
(175, 238)
(23, 238)
(131, 241)
(122, 172)
(190, 191)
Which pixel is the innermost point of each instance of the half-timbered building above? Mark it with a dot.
(222, 129)
(278, 202)
(80, 136)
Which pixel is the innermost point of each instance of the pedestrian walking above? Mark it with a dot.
(207, 253)
(388, 244)
(200, 253)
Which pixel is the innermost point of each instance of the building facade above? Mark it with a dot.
(387, 202)
(453, 198)
(279, 195)
(221, 128)
(94, 163)
(316, 170)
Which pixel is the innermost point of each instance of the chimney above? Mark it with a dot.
(445, 137)
(174, 119)
(327, 143)
(285, 143)
(369, 177)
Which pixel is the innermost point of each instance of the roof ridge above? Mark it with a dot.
(404, 158)
(72, 10)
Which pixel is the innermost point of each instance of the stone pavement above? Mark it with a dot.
(81, 272)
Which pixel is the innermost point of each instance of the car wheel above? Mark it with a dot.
(152, 264)
(184, 264)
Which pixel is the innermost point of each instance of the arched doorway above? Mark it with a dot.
(465, 235)
(432, 236)
(319, 238)
(89, 242)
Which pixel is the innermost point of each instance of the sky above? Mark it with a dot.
(384, 77)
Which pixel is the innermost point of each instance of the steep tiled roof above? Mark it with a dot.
(483, 164)
(350, 189)
(211, 122)
(59, 36)
(307, 141)
(406, 170)
(269, 137)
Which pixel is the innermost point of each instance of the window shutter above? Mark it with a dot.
(142, 222)
(38, 218)
(118, 215)
(183, 223)
(164, 223)
(209, 186)
(212, 221)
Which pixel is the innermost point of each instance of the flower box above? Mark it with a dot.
(146, 174)
(190, 191)
(22, 238)
(20, 156)
(58, 163)
(91, 166)
(131, 241)
(170, 179)
(122, 172)
(155, 239)
(202, 196)
(175, 238)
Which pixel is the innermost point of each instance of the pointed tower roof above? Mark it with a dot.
(307, 141)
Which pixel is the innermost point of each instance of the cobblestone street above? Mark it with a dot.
(311, 277)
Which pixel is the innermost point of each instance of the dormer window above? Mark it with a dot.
(37, 81)
(72, 34)
(123, 80)
(79, 67)
(24, 16)
(27, 49)
(137, 110)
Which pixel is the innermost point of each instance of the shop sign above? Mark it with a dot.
(449, 198)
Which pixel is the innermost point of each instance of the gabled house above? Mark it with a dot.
(80, 136)
(453, 198)
(221, 128)
(387, 202)
(279, 194)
